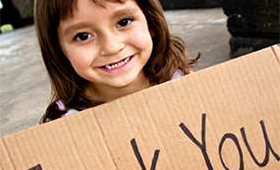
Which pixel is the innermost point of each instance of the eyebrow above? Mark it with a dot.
(126, 10)
(115, 14)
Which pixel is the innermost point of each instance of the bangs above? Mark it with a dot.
(64, 8)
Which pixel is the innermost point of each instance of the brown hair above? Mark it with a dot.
(168, 54)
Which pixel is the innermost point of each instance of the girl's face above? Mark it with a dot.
(107, 45)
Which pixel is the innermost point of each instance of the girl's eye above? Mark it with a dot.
(124, 22)
(82, 36)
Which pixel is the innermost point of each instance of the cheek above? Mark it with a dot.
(142, 39)
(79, 59)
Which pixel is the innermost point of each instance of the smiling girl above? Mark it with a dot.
(96, 51)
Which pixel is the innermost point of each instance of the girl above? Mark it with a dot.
(98, 50)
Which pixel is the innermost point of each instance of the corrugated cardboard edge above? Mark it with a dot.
(276, 50)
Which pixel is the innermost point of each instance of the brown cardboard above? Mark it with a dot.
(150, 128)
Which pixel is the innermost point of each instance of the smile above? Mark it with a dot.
(117, 65)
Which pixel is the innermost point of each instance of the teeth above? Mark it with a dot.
(108, 67)
(119, 64)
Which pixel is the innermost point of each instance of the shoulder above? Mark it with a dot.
(56, 110)
(178, 73)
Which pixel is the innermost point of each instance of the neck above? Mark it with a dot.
(108, 93)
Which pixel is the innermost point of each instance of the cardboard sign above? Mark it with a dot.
(224, 117)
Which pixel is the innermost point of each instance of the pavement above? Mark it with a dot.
(24, 84)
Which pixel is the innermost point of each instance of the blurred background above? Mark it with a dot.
(219, 30)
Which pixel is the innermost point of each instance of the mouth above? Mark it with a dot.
(117, 65)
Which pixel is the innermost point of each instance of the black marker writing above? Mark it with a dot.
(139, 157)
(202, 146)
(268, 147)
(236, 142)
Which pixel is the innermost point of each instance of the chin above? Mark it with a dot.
(122, 84)
(125, 81)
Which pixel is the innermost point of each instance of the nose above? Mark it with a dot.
(111, 44)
